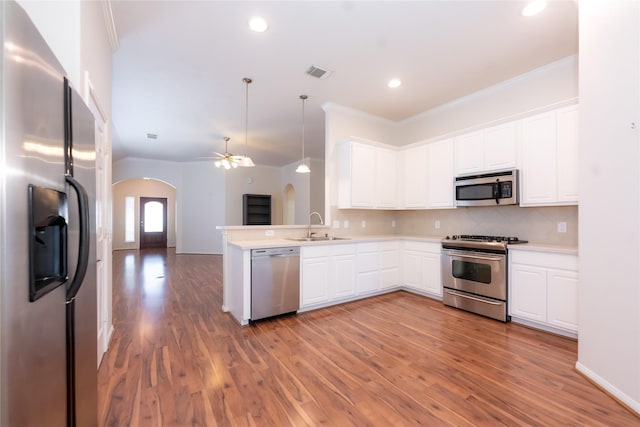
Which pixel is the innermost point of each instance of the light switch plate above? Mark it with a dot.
(562, 227)
(336, 224)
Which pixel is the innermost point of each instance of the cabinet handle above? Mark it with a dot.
(458, 294)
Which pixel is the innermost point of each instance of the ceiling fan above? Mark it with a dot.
(226, 159)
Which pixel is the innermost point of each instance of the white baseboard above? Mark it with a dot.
(609, 388)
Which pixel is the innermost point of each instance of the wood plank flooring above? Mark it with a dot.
(395, 360)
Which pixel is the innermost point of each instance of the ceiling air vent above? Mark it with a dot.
(318, 72)
(152, 136)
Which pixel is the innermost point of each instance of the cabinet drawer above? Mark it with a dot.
(389, 246)
(343, 249)
(315, 251)
(413, 245)
(541, 259)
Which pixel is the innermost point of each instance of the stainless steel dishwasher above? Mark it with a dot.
(275, 281)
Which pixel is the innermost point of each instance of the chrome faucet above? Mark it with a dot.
(311, 216)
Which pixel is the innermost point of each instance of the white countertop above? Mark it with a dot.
(541, 247)
(283, 242)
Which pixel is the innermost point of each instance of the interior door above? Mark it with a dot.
(153, 222)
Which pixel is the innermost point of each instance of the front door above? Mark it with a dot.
(153, 222)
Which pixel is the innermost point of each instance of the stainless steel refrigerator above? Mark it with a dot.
(48, 325)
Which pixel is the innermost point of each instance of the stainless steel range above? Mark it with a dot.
(474, 273)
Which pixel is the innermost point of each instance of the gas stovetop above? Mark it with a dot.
(469, 241)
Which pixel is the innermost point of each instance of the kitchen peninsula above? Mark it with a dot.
(339, 271)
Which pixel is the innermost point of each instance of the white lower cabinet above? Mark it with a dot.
(328, 273)
(368, 275)
(314, 277)
(342, 268)
(338, 272)
(421, 267)
(389, 265)
(544, 289)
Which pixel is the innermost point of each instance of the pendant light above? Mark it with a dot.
(246, 161)
(303, 168)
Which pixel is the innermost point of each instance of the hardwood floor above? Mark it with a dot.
(394, 360)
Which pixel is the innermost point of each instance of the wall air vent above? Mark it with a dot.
(318, 72)
(152, 136)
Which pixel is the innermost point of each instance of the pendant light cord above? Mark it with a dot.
(246, 111)
(303, 97)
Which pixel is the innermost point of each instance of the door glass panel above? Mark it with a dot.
(472, 271)
(129, 219)
(153, 217)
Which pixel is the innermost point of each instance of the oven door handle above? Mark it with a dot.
(460, 294)
(462, 254)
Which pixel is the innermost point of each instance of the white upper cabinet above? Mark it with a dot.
(386, 171)
(500, 146)
(549, 173)
(469, 153)
(487, 149)
(567, 151)
(427, 176)
(440, 174)
(413, 185)
(368, 176)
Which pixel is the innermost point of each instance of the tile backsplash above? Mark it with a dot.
(537, 225)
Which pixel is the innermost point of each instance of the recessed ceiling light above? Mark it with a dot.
(394, 83)
(534, 7)
(258, 24)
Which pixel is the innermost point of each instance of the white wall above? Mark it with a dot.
(59, 24)
(301, 182)
(609, 292)
(141, 188)
(316, 188)
(199, 198)
(201, 208)
(255, 180)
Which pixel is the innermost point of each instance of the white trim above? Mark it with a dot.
(90, 97)
(110, 25)
(609, 388)
(330, 107)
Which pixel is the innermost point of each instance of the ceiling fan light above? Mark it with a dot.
(234, 164)
(246, 162)
(534, 7)
(218, 163)
(303, 168)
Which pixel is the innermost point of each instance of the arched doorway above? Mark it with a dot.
(127, 219)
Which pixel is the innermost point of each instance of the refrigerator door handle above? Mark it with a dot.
(84, 247)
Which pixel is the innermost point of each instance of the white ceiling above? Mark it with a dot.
(178, 70)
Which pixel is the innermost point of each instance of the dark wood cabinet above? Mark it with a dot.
(256, 209)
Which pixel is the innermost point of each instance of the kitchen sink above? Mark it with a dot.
(317, 238)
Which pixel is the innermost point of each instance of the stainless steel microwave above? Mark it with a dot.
(487, 189)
